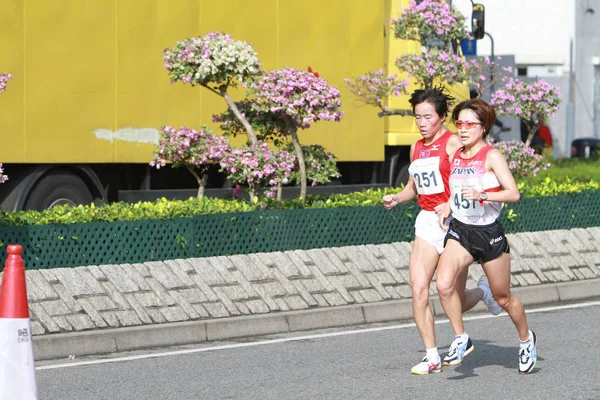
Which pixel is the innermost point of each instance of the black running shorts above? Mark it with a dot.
(484, 242)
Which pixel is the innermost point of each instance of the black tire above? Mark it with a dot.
(402, 177)
(56, 188)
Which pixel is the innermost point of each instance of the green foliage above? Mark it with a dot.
(569, 169)
(511, 215)
(550, 187)
(369, 197)
(166, 209)
(161, 209)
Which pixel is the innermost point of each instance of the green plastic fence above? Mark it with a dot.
(52, 246)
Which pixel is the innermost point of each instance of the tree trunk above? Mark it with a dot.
(531, 130)
(301, 163)
(404, 113)
(200, 178)
(428, 84)
(252, 191)
(239, 116)
(279, 195)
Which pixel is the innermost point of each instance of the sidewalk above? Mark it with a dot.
(100, 309)
(174, 334)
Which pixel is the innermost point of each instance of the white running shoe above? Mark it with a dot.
(488, 299)
(457, 351)
(528, 355)
(427, 367)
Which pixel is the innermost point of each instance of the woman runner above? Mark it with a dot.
(480, 182)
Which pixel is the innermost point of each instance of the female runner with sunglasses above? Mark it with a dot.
(480, 182)
(429, 171)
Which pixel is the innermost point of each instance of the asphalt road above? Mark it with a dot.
(368, 362)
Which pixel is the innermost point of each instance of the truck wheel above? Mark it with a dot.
(402, 177)
(57, 188)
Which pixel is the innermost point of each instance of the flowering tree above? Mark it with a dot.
(521, 158)
(4, 77)
(435, 24)
(529, 101)
(194, 149)
(437, 64)
(298, 99)
(258, 164)
(216, 62)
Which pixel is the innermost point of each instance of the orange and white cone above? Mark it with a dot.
(17, 368)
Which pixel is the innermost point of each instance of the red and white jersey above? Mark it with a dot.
(472, 172)
(430, 169)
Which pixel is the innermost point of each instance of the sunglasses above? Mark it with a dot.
(466, 124)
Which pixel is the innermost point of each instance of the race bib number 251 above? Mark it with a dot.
(427, 176)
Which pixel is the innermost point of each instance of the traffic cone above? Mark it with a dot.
(17, 368)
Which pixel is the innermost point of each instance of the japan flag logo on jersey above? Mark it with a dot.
(456, 161)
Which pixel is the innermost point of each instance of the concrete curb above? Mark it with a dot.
(56, 346)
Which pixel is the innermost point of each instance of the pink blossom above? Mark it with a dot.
(374, 87)
(300, 97)
(430, 19)
(521, 99)
(4, 78)
(257, 165)
(187, 146)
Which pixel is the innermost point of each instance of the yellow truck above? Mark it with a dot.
(89, 93)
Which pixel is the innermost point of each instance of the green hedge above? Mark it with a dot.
(167, 209)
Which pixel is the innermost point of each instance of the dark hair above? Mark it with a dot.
(435, 96)
(484, 111)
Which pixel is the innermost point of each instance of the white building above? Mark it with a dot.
(587, 68)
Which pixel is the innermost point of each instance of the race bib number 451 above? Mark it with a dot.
(426, 174)
(461, 206)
